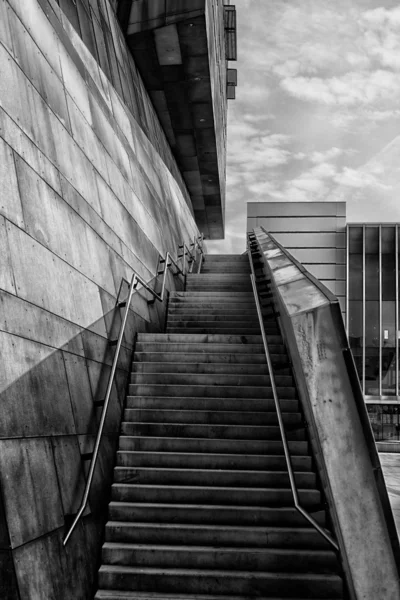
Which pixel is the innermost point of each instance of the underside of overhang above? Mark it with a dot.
(168, 40)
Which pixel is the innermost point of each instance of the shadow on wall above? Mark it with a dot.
(47, 432)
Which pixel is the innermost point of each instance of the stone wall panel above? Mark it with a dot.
(34, 395)
(6, 271)
(68, 464)
(10, 203)
(30, 487)
(86, 416)
(49, 282)
(26, 320)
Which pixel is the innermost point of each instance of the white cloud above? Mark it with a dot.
(358, 179)
(353, 88)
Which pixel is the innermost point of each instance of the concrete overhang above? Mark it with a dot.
(179, 49)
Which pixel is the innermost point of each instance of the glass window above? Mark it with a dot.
(388, 341)
(372, 315)
(356, 333)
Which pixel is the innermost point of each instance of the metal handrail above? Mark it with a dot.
(197, 246)
(286, 450)
(135, 280)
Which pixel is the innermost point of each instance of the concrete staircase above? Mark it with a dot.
(201, 505)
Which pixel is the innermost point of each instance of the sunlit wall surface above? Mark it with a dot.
(373, 325)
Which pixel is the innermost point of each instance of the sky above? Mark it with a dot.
(317, 109)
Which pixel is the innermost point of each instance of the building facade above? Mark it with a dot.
(314, 232)
(373, 319)
(112, 152)
(359, 263)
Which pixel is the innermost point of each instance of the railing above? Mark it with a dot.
(135, 280)
(286, 450)
(197, 247)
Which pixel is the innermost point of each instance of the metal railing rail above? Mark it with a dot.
(197, 247)
(286, 450)
(135, 280)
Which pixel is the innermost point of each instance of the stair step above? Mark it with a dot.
(209, 445)
(211, 477)
(231, 360)
(191, 304)
(212, 309)
(209, 296)
(236, 432)
(210, 379)
(247, 331)
(209, 391)
(229, 496)
(209, 417)
(208, 317)
(121, 595)
(209, 348)
(220, 324)
(210, 557)
(199, 338)
(192, 460)
(217, 404)
(209, 514)
(213, 368)
(303, 585)
(222, 535)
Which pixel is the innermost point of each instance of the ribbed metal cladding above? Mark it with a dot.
(230, 32)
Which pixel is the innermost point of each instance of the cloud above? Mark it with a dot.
(353, 88)
(359, 178)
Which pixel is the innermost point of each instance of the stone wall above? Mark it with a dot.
(89, 191)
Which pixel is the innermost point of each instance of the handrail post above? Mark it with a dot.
(286, 450)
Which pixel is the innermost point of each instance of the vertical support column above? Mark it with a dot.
(380, 311)
(347, 278)
(363, 305)
(397, 308)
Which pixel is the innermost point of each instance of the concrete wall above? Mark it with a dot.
(314, 232)
(89, 191)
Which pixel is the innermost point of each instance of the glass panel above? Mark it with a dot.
(385, 421)
(372, 263)
(388, 340)
(356, 332)
(372, 348)
(372, 341)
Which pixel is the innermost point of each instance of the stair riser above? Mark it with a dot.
(211, 478)
(215, 330)
(233, 432)
(206, 515)
(211, 404)
(232, 325)
(209, 391)
(274, 537)
(218, 417)
(210, 348)
(232, 584)
(207, 445)
(233, 359)
(210, 379)
(200, 368)
(192, 338)
(204, 316)
(233, 559)
(211, 461)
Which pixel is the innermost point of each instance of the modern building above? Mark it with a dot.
(112, 152)
(359, 263)
(373, 323)
(314, 232)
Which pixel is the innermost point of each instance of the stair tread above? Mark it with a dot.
(134, 595)
(220, 573)
(211, 548)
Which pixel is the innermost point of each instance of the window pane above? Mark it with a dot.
(372, 263)
(356, 332)
(388, 264)
(388, 348)
(372, 348)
